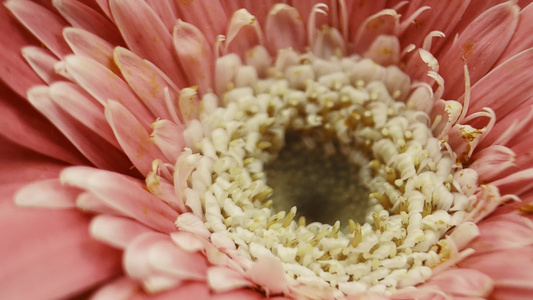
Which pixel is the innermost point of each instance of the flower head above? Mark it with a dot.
(315, 150)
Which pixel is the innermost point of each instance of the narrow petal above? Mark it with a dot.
(475, 47)
(285, 29)
(47, 193)
(166, 11)
(97, 150)
(443, 16)
(42, 62)
(146, 35)
(63, 245)
(123, 194)
(146, 80)
(84, 17)
(42, 23)
(104, 85)
(86, 44)
(194, 54)
(133, 138)
(492, 161)
(91, 203)
(169, 138)
(358, 12)
(522, 38)
(122, 288)
(243, 34)
(510, 80)
(116, 231)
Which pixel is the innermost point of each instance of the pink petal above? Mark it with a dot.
(19, 119)
(65, 250)
(82, 107)
(464, 282)
(104, 85)
(123, 194)
(146, 80)
(476, 48)
(243, 33)
(522, 38)
(507, 266)
(268, 272)
(359, 11)
(133, 138)
(385, 50)
(166, 11)
(206, 15)
(503, 232)
(162, 188)
(510, 80)
(285, 29)
(42, 23)
(442, 16)
(42, 62)
(492, 161)
(223, 279)
(194, 54)
(385, 22)
(84, 17)
(146, 35)
(167, 257)
(122, 288)
(169, 138)
(84, 43)
(116, 231)
(97, 150)
(47, 193)
(89, 202)
(14, 70)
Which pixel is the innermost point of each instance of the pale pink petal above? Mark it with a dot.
(503, 232)
(510, 80)
(284, 28)
(268, 272)
(222, 279)
(42, 62)
(195, 55)
(385, 50)
(476, 48)
(243, 34)
(123, 194)
(132, 136)
(168, 136)
(462, 282)
(42, 23)
(522, 38)
(146, 80)
(259, 9)
(116, 231)
(167, 257)
(82, 107)
(419, 64)
(44, 243)
(97, 150)
(509, 127)
(122, 288)
(386, 22)
(328, 42)
(86, 44)
(135, 260)
(443, 16)
(90, 203)
(160, 187)
(206, 15)
(48, 193)
(83, 16)
(191, 223)
(146, 35)
(90, 75)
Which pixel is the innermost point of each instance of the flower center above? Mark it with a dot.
(323, 186)
(334, 142)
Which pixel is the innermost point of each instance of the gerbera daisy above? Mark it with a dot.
(303, 149)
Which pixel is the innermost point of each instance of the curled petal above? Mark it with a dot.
(285, 29)
(243, 34)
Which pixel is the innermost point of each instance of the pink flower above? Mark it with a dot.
(137, 135)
